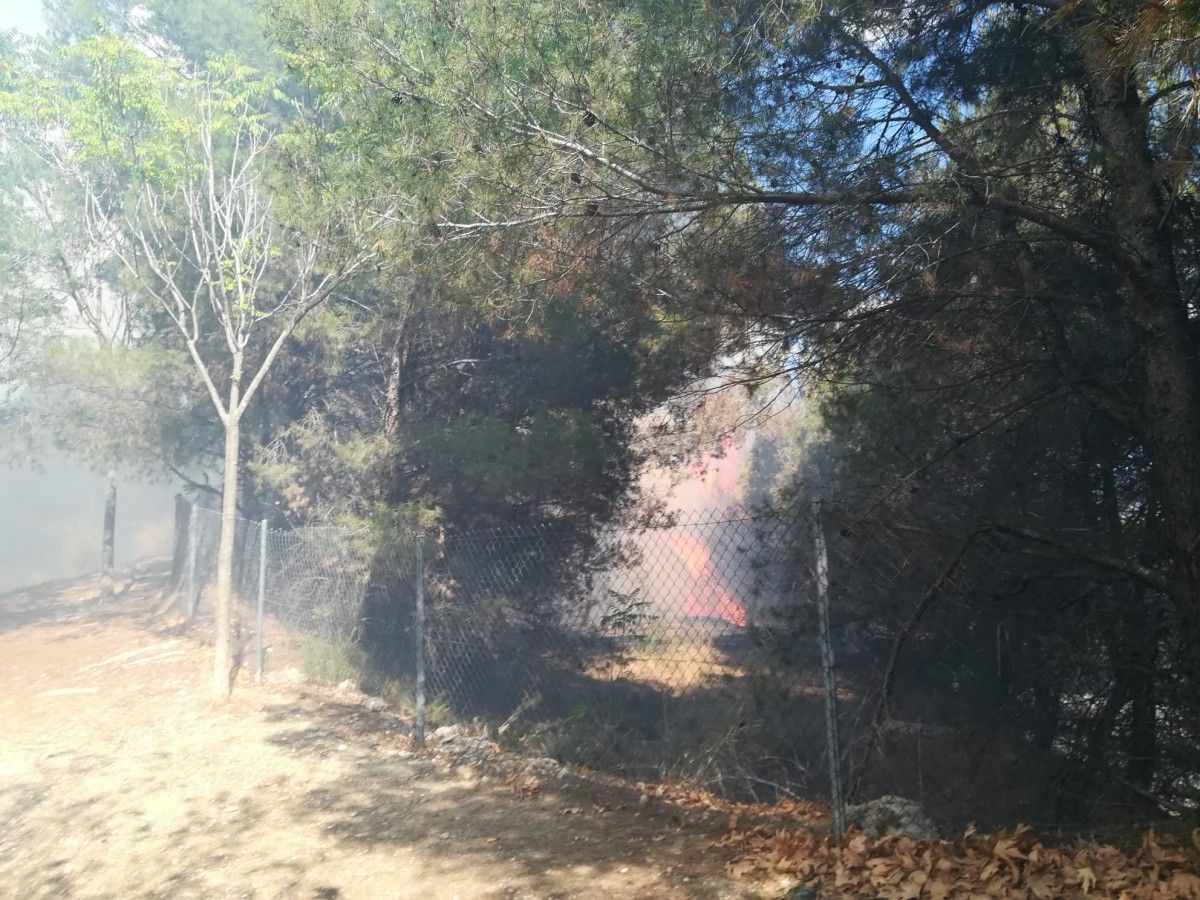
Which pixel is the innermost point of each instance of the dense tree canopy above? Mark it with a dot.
(975, 224)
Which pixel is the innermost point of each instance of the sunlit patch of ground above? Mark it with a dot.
(674, 667)
(682, 666)
(119, 779)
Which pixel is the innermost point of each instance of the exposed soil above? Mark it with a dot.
(118, 778)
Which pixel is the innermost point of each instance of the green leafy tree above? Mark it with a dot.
(63, 273)
(814, 170)
(194, 230)
(971, 230)
(27, 314)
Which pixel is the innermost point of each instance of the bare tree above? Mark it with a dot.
(235, 281)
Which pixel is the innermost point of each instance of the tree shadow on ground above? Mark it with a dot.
(144, 789)
(181, 856)
(715, 708)
(584, 829)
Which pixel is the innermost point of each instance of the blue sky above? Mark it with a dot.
(23, 14)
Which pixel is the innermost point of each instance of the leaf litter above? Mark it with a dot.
(1014, 865)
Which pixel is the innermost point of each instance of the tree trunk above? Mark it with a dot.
(108, 542)
(397, 372)
(1169, 408)
(1143, 710)
(391, 414)
(179, 550)
(223, 609)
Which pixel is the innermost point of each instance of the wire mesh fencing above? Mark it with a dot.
(683, 646)
(307, 589)
(637, 649)
(742, 650)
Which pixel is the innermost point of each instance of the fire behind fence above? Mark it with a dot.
(967, 676)
(687, 647)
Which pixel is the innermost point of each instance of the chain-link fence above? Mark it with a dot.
(987, 684)
(684, 646)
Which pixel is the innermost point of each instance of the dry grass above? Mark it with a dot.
(675, 667)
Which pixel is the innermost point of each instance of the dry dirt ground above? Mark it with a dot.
(118, 778)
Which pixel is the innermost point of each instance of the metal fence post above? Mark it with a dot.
(193, 539)
(419, 648)
(836, 798)
(259, 649)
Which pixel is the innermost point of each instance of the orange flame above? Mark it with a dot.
(707, 597)
(719, 604)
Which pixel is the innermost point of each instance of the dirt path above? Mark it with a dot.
(118, 779)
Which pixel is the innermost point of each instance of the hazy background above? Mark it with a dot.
(23, 14)
(51, 521)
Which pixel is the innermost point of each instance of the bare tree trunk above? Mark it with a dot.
(108, 542)
(223, 610)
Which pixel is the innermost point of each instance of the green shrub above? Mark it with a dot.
(399, 696)
(332, 662)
